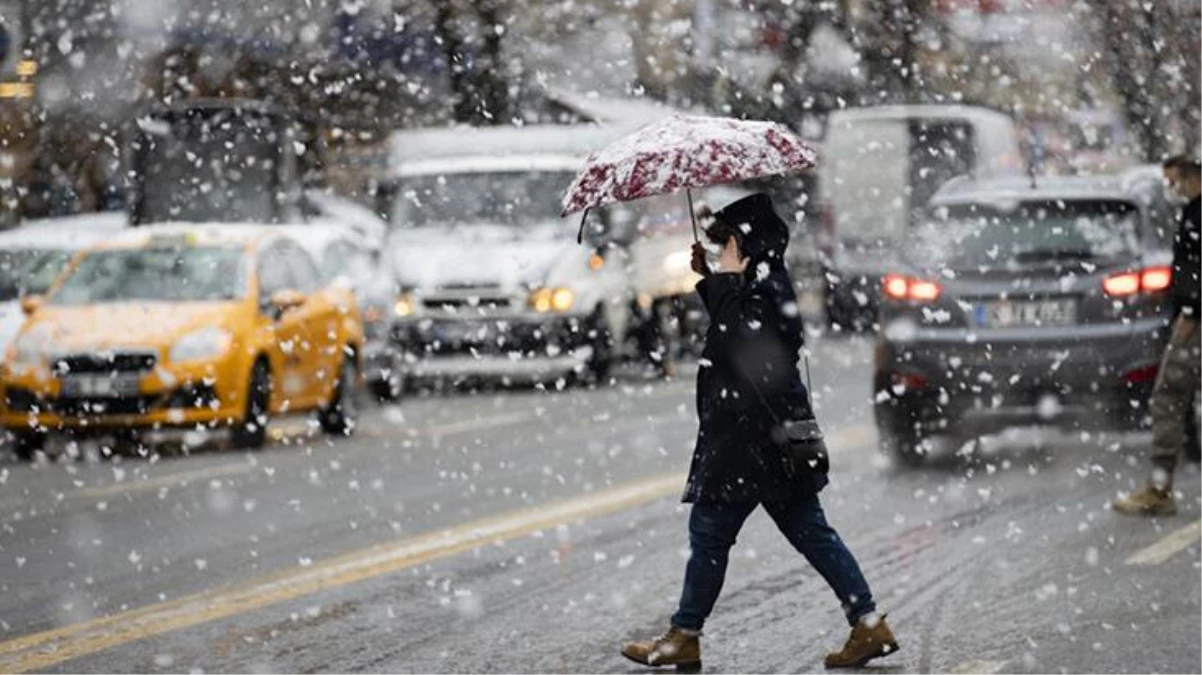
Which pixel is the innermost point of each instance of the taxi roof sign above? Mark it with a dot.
(185, 239)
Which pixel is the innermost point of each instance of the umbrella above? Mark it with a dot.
(683, 152)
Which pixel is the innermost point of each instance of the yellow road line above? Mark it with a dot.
(983, 667)
(1167, 547)
(41, 650)
(504, 419)
(167, 480)
(855, 436)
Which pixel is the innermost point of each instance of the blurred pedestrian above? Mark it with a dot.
(747, 384)
(1180, 371)
(1192, 443)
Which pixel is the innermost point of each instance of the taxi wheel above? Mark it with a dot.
(28, 444)
(342, 413)
(251, 432)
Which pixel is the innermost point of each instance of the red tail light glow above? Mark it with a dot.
(1140, 375)
(901, 287)
(1150, 280)
(1156, 279)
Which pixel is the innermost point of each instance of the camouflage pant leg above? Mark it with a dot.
(1176, 383)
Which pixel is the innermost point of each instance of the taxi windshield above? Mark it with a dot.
(29, 271)
(155, 274)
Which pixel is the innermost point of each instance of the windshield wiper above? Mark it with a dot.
(1054, 254)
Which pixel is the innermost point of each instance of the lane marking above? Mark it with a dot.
(167, 480)
(854, 436)
(1167, 547)
(984, 667)
(137, 484)
(502, 420)
(41, 650)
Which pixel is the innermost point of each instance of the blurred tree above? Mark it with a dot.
(659, 34)
(1130, 32)
(886, 35)
(1153, 54)
(471, 39)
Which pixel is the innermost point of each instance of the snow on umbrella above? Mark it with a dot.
(683, 152)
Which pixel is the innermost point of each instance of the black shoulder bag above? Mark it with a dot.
(800, 442)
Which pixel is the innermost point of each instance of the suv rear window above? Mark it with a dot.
(1029, 233)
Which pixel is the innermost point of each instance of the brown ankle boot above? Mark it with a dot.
(1149, 501)
(869, 639)
(674, 648)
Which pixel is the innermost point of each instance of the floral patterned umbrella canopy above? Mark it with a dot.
(683, 152)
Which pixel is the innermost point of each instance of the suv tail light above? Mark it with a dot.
(900, 287)
(1141, 375)
(1150, 280)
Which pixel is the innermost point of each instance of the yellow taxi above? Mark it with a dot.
(184, 327)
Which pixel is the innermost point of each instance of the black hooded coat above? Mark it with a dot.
(755, 334)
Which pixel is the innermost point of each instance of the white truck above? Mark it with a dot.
(879, 167)
(490, 280)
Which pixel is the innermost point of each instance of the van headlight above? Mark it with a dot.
(200, 345)
(678, 262)
(552, 299)
(404, 305)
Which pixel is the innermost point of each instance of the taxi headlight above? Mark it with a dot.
(552, 299)
(206, 343)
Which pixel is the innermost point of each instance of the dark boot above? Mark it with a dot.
(870, 638)
(674, 648)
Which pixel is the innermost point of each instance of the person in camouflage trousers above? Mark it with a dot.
(1180, 371)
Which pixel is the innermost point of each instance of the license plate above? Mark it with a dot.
(1004, 314)
(101, 385)
(459, 331)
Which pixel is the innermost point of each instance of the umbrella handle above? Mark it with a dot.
(580, 232)
(692, 214)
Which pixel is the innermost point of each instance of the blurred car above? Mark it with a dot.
(346, 260)
(492, 283)
(879, 167)
(183, 327)
(33, 254)
(370, 229)
(1019, 303)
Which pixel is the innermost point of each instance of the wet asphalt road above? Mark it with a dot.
(534, 531)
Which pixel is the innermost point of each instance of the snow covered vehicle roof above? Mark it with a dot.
(68, 233)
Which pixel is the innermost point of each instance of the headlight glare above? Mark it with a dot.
(552, 299)
(677, 262)
(404, 305)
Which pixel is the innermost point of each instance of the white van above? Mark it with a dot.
(490, 280)
(879, 166)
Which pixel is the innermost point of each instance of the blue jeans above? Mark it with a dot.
(713, 527)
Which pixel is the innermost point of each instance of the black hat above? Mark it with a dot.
(764, 235)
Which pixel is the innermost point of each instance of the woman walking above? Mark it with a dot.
(748, 391)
